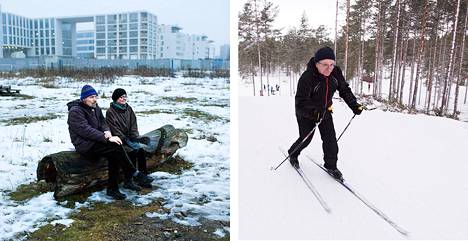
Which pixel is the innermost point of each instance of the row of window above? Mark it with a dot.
(125, 56)
(131, 26)
(133, 49)
(19, 21)
(46, 51)
(124, 18)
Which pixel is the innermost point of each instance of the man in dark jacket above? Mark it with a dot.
(122, 122)
(92, 138)
(313, 103)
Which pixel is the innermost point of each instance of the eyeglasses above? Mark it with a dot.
(327, 65)
(123, 97)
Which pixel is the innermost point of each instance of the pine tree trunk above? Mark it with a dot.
(462, 49)
(403, 72)
(420, 54)
(336, 26)
(391, 96)
(413, 64)
(430, 77)
(346, 40)
(377, 54)
(445, 99)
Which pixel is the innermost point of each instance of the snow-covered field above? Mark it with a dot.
(412, 167)
(156, 101)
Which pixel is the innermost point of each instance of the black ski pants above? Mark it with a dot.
(116, 159)
(138, 158)
(327, 133)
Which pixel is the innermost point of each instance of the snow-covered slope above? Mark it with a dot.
(412, 167)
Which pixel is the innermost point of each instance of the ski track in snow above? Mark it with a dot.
(411, 167)
(202, 191)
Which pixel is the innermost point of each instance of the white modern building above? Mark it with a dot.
(224, 51)
(172, 43)
(85, 44)
(128, 35)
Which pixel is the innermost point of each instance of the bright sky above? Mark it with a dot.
(318, 12)
(210, 17)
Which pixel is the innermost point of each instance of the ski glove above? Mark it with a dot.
(357, 109)
(144, 139)
(315, 115)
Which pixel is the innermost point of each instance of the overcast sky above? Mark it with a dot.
(318, 12)
(210, 17)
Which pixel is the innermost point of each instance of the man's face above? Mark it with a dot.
(325, 66)
(91, 100)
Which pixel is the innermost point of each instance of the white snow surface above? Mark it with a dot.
(202, 191)
(412, 167)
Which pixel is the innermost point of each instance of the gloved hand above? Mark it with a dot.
(357, 109)
(144, 139)
(315, 115)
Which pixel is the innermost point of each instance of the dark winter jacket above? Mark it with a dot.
(122, 123)
(312, 91)
(86, 125)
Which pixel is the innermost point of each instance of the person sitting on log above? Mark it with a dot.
(122, 122)
(92, 138)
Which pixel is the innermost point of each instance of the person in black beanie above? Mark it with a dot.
(313, 104)
(92, 138)
(122, 122)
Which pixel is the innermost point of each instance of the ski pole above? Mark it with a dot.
(346, 127)
(300, 144)
(364, 108)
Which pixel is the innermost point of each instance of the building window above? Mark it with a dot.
(123, 27)
(112, 35)
(133, 49)
(133, 34)
(112, 42)
(100, 42)
(134, 26)
(100, 20)
(100, 28)
(123, 18)
(122, 42)
(133, 17)
(122, 34)
(133, 41)
(100, 50)
(100, 36)
(111, 27)
(111, 19)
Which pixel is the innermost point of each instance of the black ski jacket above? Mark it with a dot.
(312, 96)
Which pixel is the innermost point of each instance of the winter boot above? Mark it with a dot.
(335, 173)
(129, 184)
(142, 178)
(115, 194)
(294, 162)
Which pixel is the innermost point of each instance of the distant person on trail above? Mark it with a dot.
(313, 104)
(92, 138)
(122, 122)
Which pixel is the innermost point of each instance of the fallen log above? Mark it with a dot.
(73, 173)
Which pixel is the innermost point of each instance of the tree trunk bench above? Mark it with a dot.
(72, 173)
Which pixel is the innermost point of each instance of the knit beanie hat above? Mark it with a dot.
(324, 53)
(86, 91)
(118, 93)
